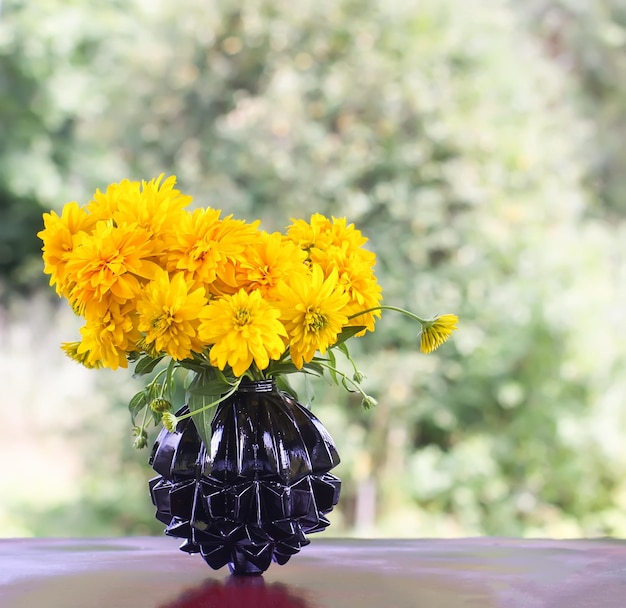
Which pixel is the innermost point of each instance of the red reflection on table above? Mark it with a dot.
(238, 592)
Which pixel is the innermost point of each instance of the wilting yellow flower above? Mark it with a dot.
(207, 248)
(58, 241)
(268, 261)
(242, 328)
(112, 260)
(169, 312)
(437, 331)
(108, 337)
(154, 206)
(313, 309)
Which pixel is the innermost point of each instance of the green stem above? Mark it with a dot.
(212, 404)
(167, 385)
(145, 415)
(395, 309)
(158, 377)
(346, 354)
(345, 377)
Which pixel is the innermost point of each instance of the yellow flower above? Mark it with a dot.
(169, 312)
(108, 337)
(207, 248)
(357, 279)
(105, 205)
(321, 233)
(112, 261)
(313, 234)
(242, 328)
(71, 350)
(155, 206)
(313, 309)
(437, 331)
(268, 261)
(58, 241)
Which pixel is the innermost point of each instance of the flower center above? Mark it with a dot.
(163, 323)
(242, 317)
(315, 320)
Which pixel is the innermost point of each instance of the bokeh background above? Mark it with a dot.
(478, 144)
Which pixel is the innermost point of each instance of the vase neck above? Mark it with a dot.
(257, 386)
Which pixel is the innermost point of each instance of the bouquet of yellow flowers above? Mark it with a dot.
(215, 299)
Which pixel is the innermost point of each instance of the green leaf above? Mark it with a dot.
(279, 369)
(343, 347)
(146, 364)
(195, 365)
(202, 419)
(347, 333)
(333, 365)
(312, 367)
(212, 387)
(287, 367)
(203, 390)
(153, 391)
(156, 417)
(137, 403)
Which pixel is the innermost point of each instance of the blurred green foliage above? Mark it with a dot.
(587, 39)
(475, 144)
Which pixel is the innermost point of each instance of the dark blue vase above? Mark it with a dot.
(261, 487)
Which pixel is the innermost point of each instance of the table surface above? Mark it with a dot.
(150, 572)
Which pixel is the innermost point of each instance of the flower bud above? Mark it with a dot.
(369, 402)
(169, 421)
(141, 437)
(160, 406)
(358, 376)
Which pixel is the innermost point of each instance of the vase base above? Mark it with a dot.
(242, 567)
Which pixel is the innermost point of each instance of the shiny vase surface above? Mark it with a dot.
(259, 488)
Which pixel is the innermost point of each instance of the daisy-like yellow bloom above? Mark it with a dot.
(321, 233)
(315, 233)
(154, 205)
(105, 205)
(107, 338)
(269, 261)
(207, 248)
(243, 328)
(169, 312)
(58, 241)
(437, 331)
(313, 309)
(356, 277)
(111, 261)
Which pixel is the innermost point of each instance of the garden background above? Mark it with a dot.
(479, 146)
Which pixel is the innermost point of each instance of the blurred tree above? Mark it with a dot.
(37, 133)
(450, 138)
(587, 39)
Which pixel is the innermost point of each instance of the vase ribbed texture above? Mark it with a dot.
(261, 486)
